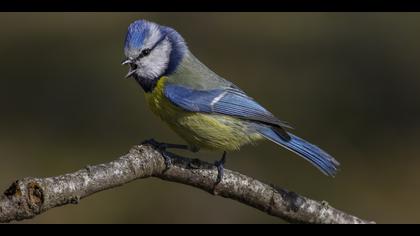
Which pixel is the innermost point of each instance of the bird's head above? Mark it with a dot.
(152, 51)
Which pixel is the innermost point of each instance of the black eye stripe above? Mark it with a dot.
(146, 52)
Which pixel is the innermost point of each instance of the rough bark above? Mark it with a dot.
(29, 197)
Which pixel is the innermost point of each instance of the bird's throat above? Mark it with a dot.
(147, 84)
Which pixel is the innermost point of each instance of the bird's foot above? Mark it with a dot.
(168, 159)
(164, 146)
(161, 147)
(220, 168)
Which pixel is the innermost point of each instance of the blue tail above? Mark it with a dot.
(322, 160)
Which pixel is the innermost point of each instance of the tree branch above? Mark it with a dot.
(29, 197)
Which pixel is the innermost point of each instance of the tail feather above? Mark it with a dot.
(319, 158)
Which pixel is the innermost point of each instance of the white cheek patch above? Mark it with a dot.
(156, 62)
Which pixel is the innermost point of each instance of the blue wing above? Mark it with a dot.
(234, 102)
(226, 101)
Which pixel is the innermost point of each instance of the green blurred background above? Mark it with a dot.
(348, 82)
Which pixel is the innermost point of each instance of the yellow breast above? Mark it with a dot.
(161, 106)
(200, 130)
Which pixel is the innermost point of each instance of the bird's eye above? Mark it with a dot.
(145, 52)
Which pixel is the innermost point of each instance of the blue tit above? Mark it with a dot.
(204, 109)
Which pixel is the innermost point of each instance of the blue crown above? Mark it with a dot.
(137, 32)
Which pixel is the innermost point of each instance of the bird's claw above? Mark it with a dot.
(220, 172)
(161, 147)
(154, 143)
(220, 168)
(164, 146)
(168, 160)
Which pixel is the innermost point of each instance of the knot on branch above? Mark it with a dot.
(13, 190)
(35, 196)
(292, 200)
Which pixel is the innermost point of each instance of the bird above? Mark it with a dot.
(207, 111)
